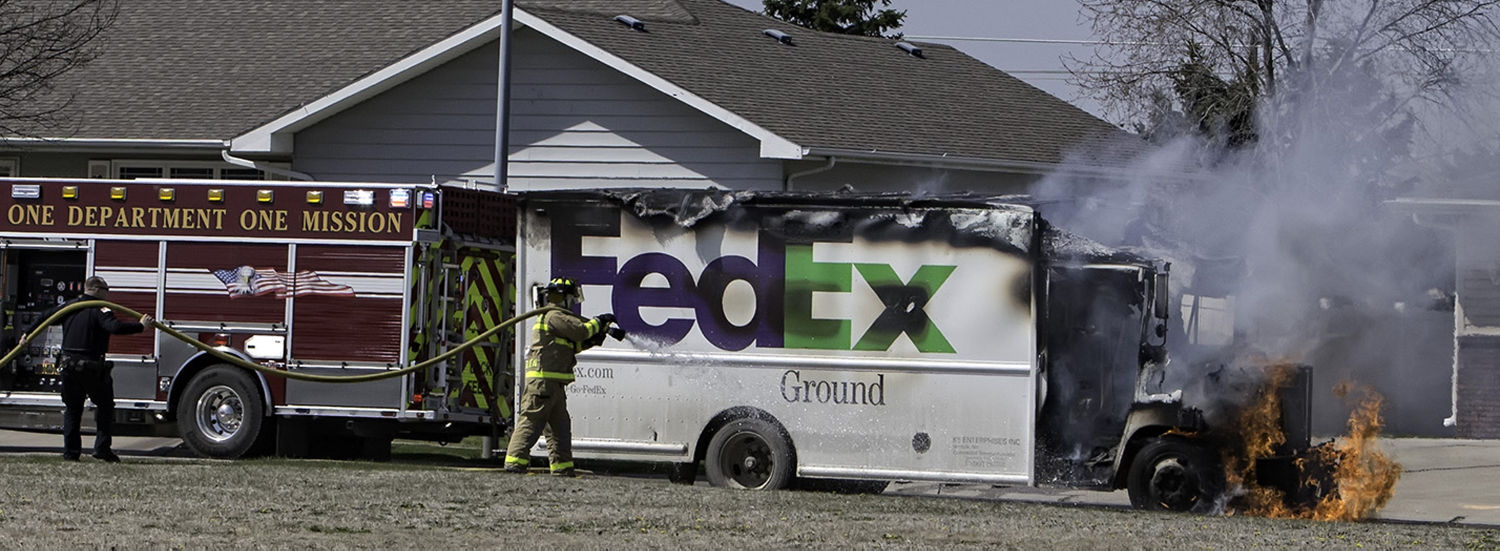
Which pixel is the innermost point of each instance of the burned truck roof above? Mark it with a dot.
(688, 207)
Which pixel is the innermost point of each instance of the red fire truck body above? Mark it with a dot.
(307, 277)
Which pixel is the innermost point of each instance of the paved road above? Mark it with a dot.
(1445, 480)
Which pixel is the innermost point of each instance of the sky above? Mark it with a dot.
(1039, 64)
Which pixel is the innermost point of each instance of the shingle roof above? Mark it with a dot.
(842, 92)
(214, 69)
(196, 69)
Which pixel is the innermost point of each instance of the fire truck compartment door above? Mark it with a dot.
(384, 393)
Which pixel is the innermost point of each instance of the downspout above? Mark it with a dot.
(809, 172)
(247, 163)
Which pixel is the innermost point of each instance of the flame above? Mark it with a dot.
(1363, 476)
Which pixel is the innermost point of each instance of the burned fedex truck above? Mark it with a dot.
(776, 337)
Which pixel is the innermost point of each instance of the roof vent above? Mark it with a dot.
(909, 48)
(779, 36)
(631, 22)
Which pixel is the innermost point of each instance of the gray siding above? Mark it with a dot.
(574, 123)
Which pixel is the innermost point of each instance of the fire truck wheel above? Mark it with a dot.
(750, 453)
(220, 415)
(1174, 474)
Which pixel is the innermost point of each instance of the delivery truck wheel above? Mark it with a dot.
(220, 415)
(1174, 474)
(750, 453)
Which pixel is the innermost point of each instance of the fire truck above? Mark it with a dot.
(300, 278)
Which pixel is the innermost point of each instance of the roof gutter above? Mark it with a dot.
(114, 143)
(994, 165)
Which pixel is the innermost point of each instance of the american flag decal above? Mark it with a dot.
(246, 281)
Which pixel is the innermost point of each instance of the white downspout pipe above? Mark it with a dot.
(247, 163)
(809, 172)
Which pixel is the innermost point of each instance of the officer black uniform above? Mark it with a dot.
(84, 371)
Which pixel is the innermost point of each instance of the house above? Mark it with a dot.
(683, 93)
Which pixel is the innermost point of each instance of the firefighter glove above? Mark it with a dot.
(605, 319)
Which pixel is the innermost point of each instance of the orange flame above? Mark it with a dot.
(1364, 476)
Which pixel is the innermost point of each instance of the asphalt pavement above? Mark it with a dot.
(1443, 480)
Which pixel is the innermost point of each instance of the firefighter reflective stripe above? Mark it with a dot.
(549, 375)
(593, 326)
(513, 460)
(570, 344)
(562, 465)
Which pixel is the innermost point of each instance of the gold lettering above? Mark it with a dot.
(105, 213)
(314, 221)
(337, 221)
(123, 220)
(30, 215)
(377, 223)
(280, 220)
(247, 220)
(218, 219)
(155, 217)
(75, 215)
(394, 222)
(202, 218)
(173, 217)
(139, 217)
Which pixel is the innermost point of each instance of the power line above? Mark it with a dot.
(1032, 40)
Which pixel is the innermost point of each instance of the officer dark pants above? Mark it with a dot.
(87, 379)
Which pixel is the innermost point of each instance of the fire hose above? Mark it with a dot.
(269, 370)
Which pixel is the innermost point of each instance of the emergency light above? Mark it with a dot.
(117, 193)
(361, 197)
(400, 198)
(70, 192)
(315, 197)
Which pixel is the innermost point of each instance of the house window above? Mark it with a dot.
(199, 170)
(10, 167)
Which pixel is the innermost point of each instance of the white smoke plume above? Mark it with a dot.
(1292, 242)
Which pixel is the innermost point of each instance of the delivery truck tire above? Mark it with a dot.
(1175, 474)
(220, 414)
(750, 453)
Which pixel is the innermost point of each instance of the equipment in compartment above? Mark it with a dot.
(35, 281)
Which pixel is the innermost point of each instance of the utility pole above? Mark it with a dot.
(490, 444)
(502, 99)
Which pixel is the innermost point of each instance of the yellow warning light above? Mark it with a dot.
(166, 194)
(216, 196)
(263, 195)
(70, 192)
(315, 197)
(117, 193)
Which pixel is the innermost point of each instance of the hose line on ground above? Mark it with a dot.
(237, 361)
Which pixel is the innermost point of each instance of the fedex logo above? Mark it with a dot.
(783, 275)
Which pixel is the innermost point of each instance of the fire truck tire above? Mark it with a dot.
(750, 453)
(220, 414)
(1175, 474)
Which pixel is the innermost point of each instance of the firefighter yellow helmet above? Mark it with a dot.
(565, 287)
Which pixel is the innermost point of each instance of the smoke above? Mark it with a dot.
(1287, 247)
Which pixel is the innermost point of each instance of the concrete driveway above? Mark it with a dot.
(1444, 480)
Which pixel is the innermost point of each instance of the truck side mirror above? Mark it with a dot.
(1162, 306)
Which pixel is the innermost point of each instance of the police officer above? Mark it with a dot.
(84, 371)
(556, 338)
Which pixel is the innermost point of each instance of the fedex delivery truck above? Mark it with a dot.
(774, 337)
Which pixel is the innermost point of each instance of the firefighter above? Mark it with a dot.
(556, 338)
(84, 371)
